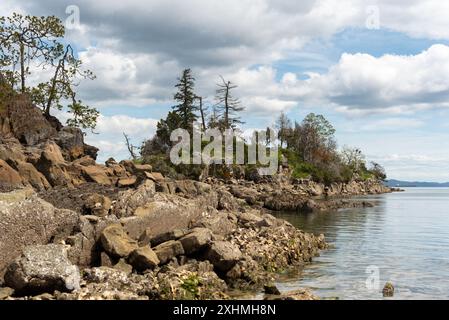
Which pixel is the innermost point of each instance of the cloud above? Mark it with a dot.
(137, 49)
(131, 79)
(109, 137)
(391, 83)
(415, 167)
(420, 19)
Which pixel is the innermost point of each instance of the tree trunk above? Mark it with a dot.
(22, 66)
(227, 107)
(203, 121)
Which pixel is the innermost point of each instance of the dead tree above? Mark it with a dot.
(131, 148)
(228, 104)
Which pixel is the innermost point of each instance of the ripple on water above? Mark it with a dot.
(404, 239)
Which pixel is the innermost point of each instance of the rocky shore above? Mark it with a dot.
(74, 229)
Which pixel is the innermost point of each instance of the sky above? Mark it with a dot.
(378, 69)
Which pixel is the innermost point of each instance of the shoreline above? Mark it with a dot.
(74, 229)
(238, 224)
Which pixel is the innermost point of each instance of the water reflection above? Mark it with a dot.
(405, 237)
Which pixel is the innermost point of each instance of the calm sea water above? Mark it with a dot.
(404, 240)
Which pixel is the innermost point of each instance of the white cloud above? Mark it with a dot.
(417, 18)
(132, 79)
(390, 83)
(415, 167)
(138, 48)
(110, 139)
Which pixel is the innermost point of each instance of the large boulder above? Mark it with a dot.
(161, 212)
(251, 196)
(285, 200)
(116, 242)
(43, 268)
(143, 258)
(219, 222)
(223, 255)
(11, 150)
(136, 169)
(26, 219)
(53, 165)
(71, 142)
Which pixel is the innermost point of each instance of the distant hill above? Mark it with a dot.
(405, 184)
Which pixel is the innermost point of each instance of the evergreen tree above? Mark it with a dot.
(186, 97)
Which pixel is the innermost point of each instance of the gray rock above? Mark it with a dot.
(223, 255)
(196, 240)
(168, 250)
(41, 269)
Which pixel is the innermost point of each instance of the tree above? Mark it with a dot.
(131, 148)
(353, 158)
(165, 127)
(321, 125)
(378, 171)
(313, 139)
(61, 86)
(228, 105)
(186, 99)
(24, 39)
(31, 40)
(283, 126)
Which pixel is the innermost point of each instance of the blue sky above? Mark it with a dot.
(385, 88)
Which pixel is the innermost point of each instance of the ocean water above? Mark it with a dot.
(404, 239)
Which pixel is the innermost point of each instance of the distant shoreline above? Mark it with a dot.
(415, 184)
